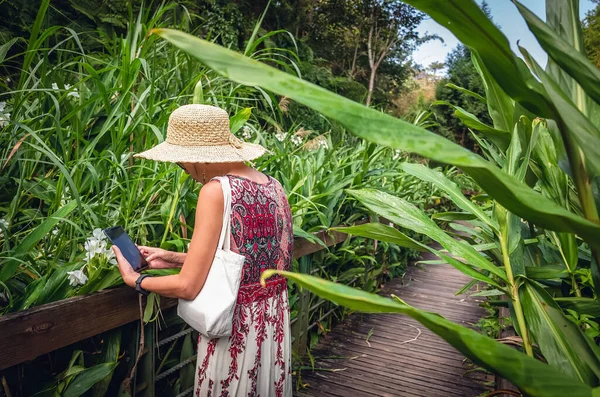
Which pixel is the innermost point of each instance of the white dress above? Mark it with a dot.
(256, 359)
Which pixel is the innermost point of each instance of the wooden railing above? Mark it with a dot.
(30, 333)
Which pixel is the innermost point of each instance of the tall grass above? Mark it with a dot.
(75, 119)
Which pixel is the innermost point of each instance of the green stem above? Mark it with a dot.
(575, 285)
(584, 187)
(171, 213)
(514, 292)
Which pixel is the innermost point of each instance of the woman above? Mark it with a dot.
(255, 359)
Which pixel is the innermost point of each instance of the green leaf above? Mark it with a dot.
(32, 239)
(186, 374)
(110, 353)
(546, 272)
(555, 335)
(563, 52)
(450, 216)
(238, 120)
(378, 231)
(466, 20)
(467, 92)
(498, 137)
(299, 232)
(5, 47)
(88, 378)
(441, 181)
(149, 309)
(531, 376)
(500, 106)
(386, 130)
(573, 122)
(404, 214)
(580, 305)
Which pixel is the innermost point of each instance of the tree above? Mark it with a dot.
(392, 29)
(435, 67)
(591, 34)
(462, 73)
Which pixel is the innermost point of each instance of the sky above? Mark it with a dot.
(504, 14)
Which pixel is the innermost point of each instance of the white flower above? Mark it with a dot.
(4, 119)
(281, 136)
(296, 140)
(77, 277)
(110, 255)
(323, 144)
(97, 233)
(66, 194)
(94, 246)
(246, 132)
(396, 155)
(4, 223)
(4, 116)
(73, 93)
(55, 231)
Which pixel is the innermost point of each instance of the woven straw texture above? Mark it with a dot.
(200, 134)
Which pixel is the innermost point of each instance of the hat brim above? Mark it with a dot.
(203, 154)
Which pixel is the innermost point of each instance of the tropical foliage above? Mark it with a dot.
(540, 213)
(72, 118)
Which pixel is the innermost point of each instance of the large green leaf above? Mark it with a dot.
(529, 375)
(498, 137)
(110, 353)
(466, 20)
(573, 121)
(441, 181)
(391, 235)
(562, 342)
(386, 130)
(405, 214)
(580, 305)
(32, 238)
(562, 51)
(500, 106)
(87, 378)
(378, 231)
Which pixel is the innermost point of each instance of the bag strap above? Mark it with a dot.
(225, 236)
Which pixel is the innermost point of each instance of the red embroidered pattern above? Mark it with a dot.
(210, 351)
(261, 230)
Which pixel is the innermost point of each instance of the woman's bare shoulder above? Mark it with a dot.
(211, 193)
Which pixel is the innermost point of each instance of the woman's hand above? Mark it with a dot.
(129, 275)
(159, 258)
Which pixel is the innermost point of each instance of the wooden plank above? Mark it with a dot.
(27, 334)
(389, 364)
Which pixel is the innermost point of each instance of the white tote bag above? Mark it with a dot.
(211, 312)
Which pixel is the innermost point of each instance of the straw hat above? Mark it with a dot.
(200, 134)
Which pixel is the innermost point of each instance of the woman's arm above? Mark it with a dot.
(159, 258)
(188, 283)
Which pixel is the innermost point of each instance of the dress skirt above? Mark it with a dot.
(256, 359)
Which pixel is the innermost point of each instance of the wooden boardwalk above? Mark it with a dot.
(401, 358)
